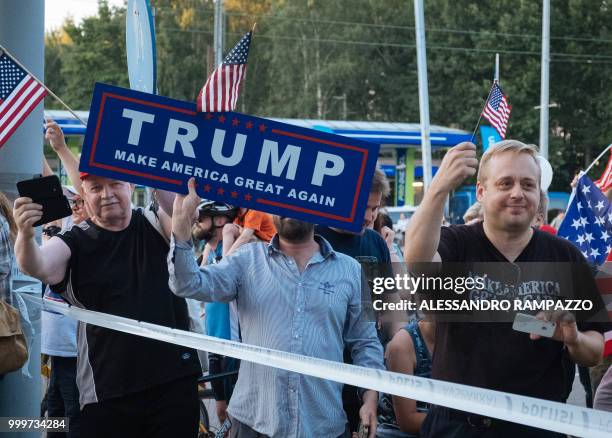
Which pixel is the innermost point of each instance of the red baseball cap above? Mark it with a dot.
(83, 175)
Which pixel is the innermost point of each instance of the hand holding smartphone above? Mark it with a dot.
(46, 191)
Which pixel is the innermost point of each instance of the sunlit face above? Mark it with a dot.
(77, 205)
(371, 211)
(510, 191)
(108, 200)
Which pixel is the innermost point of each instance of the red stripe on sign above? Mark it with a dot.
(359, 180)
(136, 173)
(303, 210)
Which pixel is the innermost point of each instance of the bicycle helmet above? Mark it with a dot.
(215, 208)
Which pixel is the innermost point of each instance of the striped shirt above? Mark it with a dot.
(314, 313)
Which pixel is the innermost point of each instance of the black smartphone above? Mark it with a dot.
(46, 191)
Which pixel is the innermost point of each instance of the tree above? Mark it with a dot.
(96, 54)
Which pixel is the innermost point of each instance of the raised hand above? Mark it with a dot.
(184, 212)
(458, 164)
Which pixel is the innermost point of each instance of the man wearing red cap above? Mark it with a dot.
(115, 262)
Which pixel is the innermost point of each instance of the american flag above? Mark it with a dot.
(497, 110)
(19, 95)
(588, 225)
(605, 182)
(220, 92)
(588, 221)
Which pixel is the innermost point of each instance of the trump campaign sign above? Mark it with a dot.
(235, 158)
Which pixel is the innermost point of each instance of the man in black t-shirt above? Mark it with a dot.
(115, 263)
(493, 355)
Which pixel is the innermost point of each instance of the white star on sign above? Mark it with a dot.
(576, 223)
(584, 221)
(580, 239)
(588, 237)
(585, 190)
(579, 205)
(595, 252)
(599, 220)
(605, 236)
(599, 205)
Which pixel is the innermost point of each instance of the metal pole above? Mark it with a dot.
(496, 77)
(419, 19)
(22, 32)
(218, 35)
(545, 78)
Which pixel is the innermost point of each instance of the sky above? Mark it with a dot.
(56, 11)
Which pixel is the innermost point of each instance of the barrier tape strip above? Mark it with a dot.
(544, 414)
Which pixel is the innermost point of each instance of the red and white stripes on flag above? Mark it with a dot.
(220, 93)
(497, 110)
(20, 93)
(605, 182)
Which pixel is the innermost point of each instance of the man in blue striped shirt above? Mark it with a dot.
(295, 294)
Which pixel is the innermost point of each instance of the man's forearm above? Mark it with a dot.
(423, 233)
(188, 281)
(71, 164)
(588, 349)
(29, 257)
(165, 200)
(244, 237)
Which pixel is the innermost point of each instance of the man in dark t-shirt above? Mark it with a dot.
(493, 355)
(115, 263)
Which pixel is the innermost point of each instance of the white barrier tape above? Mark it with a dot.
(559, 417)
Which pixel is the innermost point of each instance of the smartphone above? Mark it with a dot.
(46, 191)
(530, 324)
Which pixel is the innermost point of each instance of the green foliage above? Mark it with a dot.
(322, 59)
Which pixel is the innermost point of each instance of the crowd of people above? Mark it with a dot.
(288, 285)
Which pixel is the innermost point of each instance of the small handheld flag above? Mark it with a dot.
(497, 110)
(220, 93)
(20, 93)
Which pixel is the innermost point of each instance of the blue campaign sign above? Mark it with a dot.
(236, 158)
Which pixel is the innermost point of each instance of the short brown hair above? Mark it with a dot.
(514, 146)
(380, 183)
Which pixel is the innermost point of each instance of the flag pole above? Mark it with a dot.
(51, 93)
(598, 157)
(481, 111)
(253, 29)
